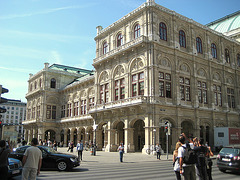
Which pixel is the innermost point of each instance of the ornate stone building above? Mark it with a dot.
(152, 66)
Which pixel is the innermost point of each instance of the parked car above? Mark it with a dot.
(14, 167)
(51, 158)
(229, 159)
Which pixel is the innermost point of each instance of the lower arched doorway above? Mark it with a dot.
(68, 137)
(139, 135)
(120, 133)
(75, 140)
(50, 134)
(187, 128)
(82, 136)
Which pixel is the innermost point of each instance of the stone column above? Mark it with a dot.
(129, 144)
(34, 133)
(58, 135)
(26, 135)
(113, 142)
(176, 131)
(148, 135)
(65, 143)
(110, 137)
(29, 136)
(86, 137)
(157, 140)
(79, 134)
(72, 134)
(40, 133)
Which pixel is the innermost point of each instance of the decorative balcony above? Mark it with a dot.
(75, 118)
(118, 104)
(26, 122)
(123, 48)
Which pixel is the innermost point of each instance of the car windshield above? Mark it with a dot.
(230, 151)
(50, 150)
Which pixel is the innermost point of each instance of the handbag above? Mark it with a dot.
(176, 165)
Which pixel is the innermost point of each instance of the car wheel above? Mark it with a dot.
(62, 166)
(222, 170)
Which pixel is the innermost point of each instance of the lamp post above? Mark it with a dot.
(154, 141)
(94, 148)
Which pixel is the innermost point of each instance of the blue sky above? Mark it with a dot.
(33, 32)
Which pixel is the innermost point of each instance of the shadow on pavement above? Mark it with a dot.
(79, 170)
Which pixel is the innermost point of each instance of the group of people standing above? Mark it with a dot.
(200, 163)
(49, 143)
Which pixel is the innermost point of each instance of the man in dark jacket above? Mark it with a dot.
(201, 166)
(4, 152)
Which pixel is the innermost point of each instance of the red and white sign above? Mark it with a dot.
(234, 136)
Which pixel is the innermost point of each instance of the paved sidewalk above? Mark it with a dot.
(113, 157)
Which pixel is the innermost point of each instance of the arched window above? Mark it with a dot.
(40, 82)
(35, 85)
(182, 39)
(30, 87)
(137, 31)
(163, 31)
(53, 83)
(214, 51)
(105, 47)
(199, 45)
(119, 40)
(238, 59)
(227, 55)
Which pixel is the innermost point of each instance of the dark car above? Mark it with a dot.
(14, 167)
(229, 159)
(51, 158)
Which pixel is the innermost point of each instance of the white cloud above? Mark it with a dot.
(18, 52)
(21, 70)
(42, 36)
(46, 11)
(55, 57)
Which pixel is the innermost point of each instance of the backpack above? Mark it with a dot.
(190, 156)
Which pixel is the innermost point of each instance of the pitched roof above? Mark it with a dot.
(69, 69)
(227, 23)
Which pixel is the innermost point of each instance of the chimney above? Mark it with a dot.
(46, 65)
(99, 28)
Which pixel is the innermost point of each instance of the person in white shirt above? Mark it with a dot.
(80, 150)
(32, 161)
(187, 170)
(121, 151)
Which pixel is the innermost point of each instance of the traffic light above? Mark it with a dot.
(3, 100)
(166, 127)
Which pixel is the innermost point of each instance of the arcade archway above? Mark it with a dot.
(139, 135)
(50, 134)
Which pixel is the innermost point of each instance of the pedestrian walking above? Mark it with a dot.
(201, 166)
(158, 150)
(176, 161)
(4, 152)
(209, 163)
(121, 151)
(71, 146)
(32, 161)
(187, 170)
(80, 150)
(55, 145)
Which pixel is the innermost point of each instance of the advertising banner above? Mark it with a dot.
(234, 136)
